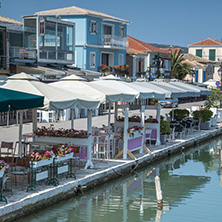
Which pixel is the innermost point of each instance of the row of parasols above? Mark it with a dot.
(75, 92)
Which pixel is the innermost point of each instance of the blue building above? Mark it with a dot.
(99, 38)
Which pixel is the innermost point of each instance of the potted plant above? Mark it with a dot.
(117, 69)
(135, 131)
(38, 159)
(164, 130)
(180, 114)
(124, 70)
(204, 117)
(63, 152)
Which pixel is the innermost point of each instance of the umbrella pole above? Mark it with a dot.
(109, 117)
(158, 119)
(173, 110)
(142, 118)
(8, 119)
(89, 163)
(115, 115)
(34, 120)
(20, 133)
(72, 118)
(16, 118)
(125, 135)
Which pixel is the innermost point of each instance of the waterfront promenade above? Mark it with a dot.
(21, 202)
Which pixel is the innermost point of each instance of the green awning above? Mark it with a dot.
(14, 100)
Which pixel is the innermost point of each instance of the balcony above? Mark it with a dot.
(45, 55)
(114, 41)
(56, 55)
(22, 53)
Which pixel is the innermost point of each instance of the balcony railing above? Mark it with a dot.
(49, 54)
(22, 53)
(115, 41)
(44, 54)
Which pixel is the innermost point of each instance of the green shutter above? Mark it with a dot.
(212, 54)
(199, 52)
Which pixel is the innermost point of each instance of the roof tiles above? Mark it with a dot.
(142, 46)
(73, 10)
(207, 42)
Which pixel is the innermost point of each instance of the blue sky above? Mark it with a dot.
(175, 22)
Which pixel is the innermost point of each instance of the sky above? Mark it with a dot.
(173, 22)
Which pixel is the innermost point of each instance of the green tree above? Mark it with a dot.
(214, 98)
(179, 69)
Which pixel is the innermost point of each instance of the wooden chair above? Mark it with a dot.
(22, 169)
(7, 149)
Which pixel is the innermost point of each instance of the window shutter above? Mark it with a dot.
(92, 59)
(199, 52)
(90, 26)
(212, 54)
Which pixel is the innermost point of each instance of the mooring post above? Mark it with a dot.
(158, 193)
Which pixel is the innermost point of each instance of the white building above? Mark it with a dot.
(210, 49)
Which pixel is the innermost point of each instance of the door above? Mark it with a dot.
(107, 59)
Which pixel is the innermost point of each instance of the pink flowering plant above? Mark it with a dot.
(63, 149)
(132, 130)
(37, 156)
(3, 165)
(70, 133)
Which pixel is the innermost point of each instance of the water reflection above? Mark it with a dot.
(189, 181)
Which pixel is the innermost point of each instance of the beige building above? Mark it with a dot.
(210, 49)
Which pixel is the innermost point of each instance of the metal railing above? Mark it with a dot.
(116, 41)
(50, 54)
(22, 53)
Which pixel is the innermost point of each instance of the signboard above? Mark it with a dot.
(217, 83)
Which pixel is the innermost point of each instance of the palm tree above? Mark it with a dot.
(178, 68)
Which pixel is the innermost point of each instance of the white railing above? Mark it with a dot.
(116, 41)
(50, 54)
(22, 53)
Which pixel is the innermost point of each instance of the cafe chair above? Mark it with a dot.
(22, 169)
(7, 149)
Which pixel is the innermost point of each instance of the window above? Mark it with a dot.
(121, 32)
(92, 59)
(107, 29)
(212, 54)
(93, 27)
(120, 59)
(199, 52)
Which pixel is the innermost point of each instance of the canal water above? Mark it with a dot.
(191, 185)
